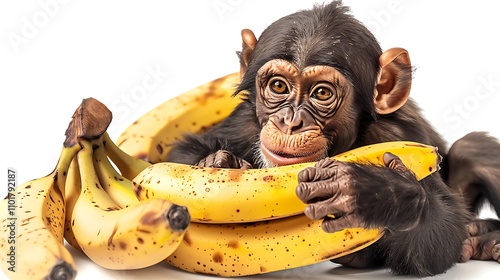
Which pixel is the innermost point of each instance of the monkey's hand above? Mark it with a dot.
(224, 159)
(350, 195)
(483, 242)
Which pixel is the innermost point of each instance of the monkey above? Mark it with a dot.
(317, 83)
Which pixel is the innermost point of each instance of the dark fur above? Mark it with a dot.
(426, 220)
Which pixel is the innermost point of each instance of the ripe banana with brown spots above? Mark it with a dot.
(119, 188)
(150, 136)
(72, 192)
(128, 165)
(234, 195)
(122, 238)
(33, 214)
(246, 249)
(32, 221)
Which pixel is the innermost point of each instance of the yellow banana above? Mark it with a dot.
(234, 195)
(32, 243)
(123, 238)
(72, 192)
(247, 249)
(150, 136)
(114, 184)
(128, 165)
(32, 222)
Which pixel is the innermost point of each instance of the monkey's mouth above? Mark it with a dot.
(282, 158)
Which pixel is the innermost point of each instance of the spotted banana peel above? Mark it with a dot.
(150, 136)
(218, 195)
(32, 217)
(113, 237)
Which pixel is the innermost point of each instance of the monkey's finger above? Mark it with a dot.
(468, 250)
(472, 249)
(346, 221)
(309, 192)
(319, 173)
(332, 207)
(211, 160)
(317, 211)
(244, 164)
(204, 162)
(394, 162)
(327, 163)
(472, 229)
(225, 159)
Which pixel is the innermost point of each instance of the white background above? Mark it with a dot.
(55, 53)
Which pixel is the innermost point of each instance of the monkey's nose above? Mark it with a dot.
(291, 121)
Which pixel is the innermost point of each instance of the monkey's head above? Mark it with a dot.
(313, 76)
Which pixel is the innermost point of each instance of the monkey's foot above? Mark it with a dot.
(482, 247)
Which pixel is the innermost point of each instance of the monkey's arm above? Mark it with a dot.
(424, 223)
(433, 245)
(237, 135)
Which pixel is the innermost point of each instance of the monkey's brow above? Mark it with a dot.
(337, 82)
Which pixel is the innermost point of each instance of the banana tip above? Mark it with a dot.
(178, 217)
(62, 271)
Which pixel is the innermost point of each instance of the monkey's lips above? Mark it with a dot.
(281, 158)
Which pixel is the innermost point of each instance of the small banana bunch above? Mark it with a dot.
(244, 222)
(109, 224)
(86, 201)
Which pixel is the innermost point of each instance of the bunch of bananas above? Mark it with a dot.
(86, 201)
(126, 209)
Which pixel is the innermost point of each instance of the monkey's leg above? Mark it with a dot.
(473, 166)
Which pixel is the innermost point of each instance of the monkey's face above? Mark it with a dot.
(304, 113)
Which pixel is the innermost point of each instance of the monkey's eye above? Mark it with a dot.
(322, 93)
(278, 86)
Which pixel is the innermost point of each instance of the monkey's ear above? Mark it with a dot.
(394, 81)
(248, 44)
